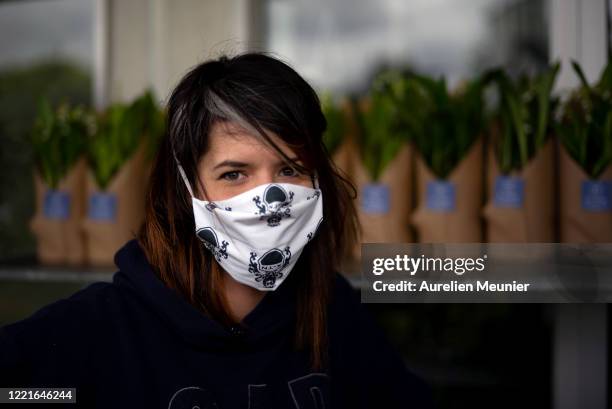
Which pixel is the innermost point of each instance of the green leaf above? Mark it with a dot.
(580, 73)
(585, 128)
(525, 113)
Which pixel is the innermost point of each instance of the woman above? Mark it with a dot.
(229, 297)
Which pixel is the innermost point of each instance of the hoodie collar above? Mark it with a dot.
(273, 314)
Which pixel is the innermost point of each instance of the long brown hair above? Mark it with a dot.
(264, 94)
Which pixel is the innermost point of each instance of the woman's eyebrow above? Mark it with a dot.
(231, 163)
(282, 161)
(238, 164)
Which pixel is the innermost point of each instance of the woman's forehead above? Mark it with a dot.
(228, 140)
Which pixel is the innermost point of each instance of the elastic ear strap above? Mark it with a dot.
(183, 175)
(315, 179)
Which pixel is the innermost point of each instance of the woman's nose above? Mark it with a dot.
(267, 176)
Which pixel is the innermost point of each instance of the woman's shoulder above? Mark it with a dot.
(345, 290)
(345, 311)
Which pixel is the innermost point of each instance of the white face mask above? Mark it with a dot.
(257, 236)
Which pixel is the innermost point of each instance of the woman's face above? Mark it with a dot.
(237, 161)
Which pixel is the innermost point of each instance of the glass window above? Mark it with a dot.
(46, 52)
(338, 44)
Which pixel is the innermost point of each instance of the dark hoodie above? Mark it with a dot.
(134, 343)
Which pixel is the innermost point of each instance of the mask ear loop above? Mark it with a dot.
(315, 179)
(182, 173)
(188, 185)
(184, 176)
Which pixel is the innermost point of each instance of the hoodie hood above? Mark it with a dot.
(271, 317)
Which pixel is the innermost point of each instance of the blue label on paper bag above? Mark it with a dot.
(375, 198)
(509, 191)
(102, 207)
(440, 195)
(596, 195)
(56, 205)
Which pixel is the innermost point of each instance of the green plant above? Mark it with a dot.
(525, 116)
(58, 139)
(445, 125)
(336, 123)
(585, 127)
(147, 119)
(382, 128)
(121, 130)
(107, 149)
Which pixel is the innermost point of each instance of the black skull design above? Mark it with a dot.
(209, 238)
(275, 205)
(268, 268)
(210, 206)
(316, 194)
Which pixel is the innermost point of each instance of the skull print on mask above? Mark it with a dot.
(257, 236)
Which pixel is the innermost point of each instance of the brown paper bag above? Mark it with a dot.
(105, 236)
(532, 222)
(61, 240)
(463, 224)
(577, 224)
(392, 226)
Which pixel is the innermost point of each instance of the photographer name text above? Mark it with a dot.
(422, 265)
(450, 286)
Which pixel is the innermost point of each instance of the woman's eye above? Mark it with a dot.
(289, 172)
(233, 175)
